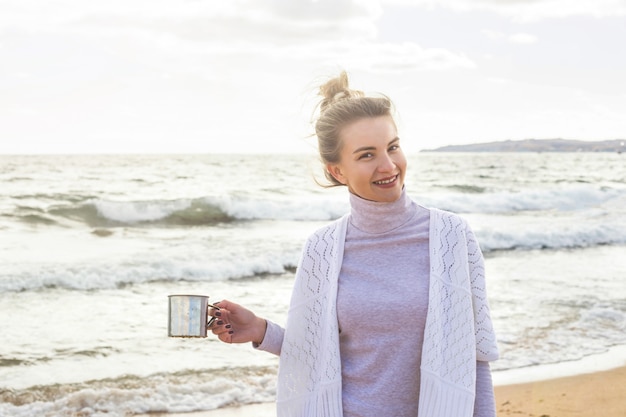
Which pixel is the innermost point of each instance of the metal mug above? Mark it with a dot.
(188, 315)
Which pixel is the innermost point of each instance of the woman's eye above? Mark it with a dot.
(366, 155)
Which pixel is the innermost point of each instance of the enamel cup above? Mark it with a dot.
(188, 315)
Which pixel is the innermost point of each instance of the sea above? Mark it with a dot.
(92, 245)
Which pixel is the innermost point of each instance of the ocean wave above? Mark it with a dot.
(211, 210)
(466, 188)
(565, 199)
(551, 236)
(103, 213)
(111, 275)
(205, 211)
(67, 210)
(107, 213)
(185, 391)
(602, 327)
(223, 266)
(34, 219)
(54, 197)
(57, 354)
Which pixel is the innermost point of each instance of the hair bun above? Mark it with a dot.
(340, 96)
(336, 90)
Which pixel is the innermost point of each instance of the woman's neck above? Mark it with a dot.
(377, 217)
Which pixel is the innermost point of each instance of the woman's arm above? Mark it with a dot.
(485, 402)
(273, 340)
(236, 324)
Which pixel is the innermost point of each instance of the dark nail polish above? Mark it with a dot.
(220, 322)
(228, 326)
(231, 332)
(218, 314)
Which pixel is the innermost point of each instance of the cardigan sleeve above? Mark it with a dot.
(309, 371)
(486, 346)
(305, 286)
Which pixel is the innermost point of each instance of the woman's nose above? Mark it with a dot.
(386, 164)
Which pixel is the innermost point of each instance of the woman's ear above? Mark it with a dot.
(335, 171)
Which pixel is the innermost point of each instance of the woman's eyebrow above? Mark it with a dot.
(373, 148)
(364, 148)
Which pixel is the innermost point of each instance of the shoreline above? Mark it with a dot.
(588, 387)
(614, 357)
(585, 395)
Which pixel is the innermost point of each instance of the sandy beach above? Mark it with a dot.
(593, 394)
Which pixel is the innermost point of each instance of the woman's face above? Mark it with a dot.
(372, 164)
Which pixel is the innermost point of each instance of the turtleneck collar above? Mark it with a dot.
(377, 217)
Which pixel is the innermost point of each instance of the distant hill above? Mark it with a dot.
(538, 145)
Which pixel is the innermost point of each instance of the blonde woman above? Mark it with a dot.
(389, 314)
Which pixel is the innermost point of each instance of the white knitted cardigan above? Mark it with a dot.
(458, 325)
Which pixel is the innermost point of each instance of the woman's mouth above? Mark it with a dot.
(386, 181)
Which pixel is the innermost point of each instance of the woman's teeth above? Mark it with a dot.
(387, 181)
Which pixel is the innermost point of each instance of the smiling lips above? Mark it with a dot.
(387, 181)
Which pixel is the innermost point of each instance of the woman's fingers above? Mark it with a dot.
(220, 325)
(223, 331)
(235, 324)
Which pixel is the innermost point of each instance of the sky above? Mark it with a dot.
(206, 76)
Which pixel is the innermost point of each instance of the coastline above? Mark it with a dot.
(592, 386)
(613, 358)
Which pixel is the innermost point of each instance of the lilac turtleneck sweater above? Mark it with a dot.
(381, 306)
(382, 302)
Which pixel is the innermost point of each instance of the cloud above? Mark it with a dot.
(410, 56)
(143, 72)
(202, 18)
(234, 72)
(381, 57)
(523, 38)
(206, 25)
(322, 9)
(209, 34)
(526, 10)
(518, 38)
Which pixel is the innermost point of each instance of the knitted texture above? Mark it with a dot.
(458, 327)
(309, 380)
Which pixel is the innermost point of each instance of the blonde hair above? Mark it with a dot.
(339, 107)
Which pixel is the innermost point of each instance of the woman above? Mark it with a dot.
(388, 314)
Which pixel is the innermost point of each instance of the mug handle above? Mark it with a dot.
(210, 322)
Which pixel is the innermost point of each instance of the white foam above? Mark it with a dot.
(542, 233)
(567, 198)
(614, 357)
(285, 208)
(158, 396)
(109, 275)
(139, 211)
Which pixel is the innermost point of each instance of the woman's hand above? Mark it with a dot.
(237, 324)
